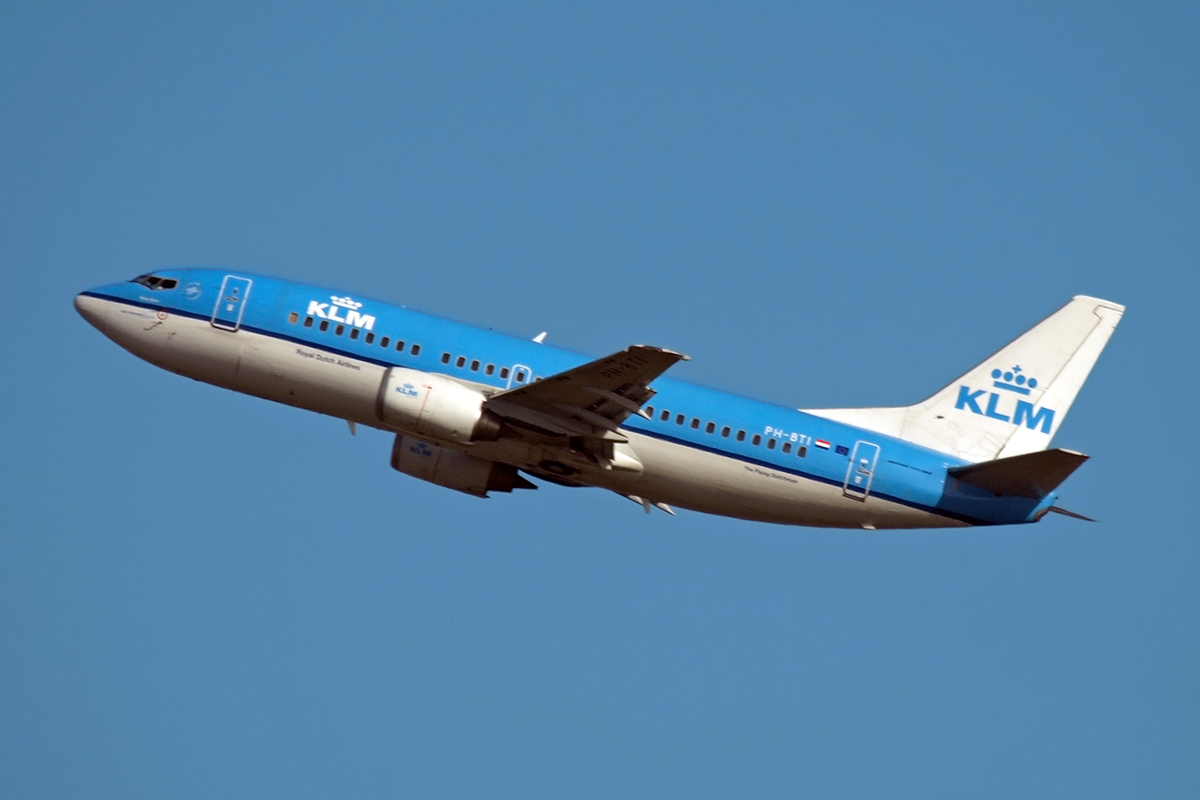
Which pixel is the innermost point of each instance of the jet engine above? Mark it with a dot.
(454, 469)
(435, 407)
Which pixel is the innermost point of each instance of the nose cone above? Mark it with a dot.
(90, 308)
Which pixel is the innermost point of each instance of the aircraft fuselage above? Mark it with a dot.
(703, 449)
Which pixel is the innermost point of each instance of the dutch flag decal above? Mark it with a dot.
(821, 443)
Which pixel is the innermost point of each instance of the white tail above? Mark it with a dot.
(1010, 404)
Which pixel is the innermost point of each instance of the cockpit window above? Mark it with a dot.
(155, 282)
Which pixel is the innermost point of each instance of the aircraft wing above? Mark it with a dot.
(591, 400)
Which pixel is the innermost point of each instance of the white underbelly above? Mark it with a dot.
(716, 484)
(253, 363)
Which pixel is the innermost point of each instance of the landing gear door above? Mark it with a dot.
(231, 303)
(861, 470)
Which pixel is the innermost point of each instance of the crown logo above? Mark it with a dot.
(345, 302)
(1013, 380)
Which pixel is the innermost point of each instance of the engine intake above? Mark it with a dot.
(435, 407)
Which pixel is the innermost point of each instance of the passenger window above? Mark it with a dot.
(354, 333)
(650, 411)
(445, 358)
(741, 437)
(399, 345)
(489, 369)
(338, 330)
(679, 418)
(520, 376)
(771, 443)
(801, 451)
(756, 441)
(324, 325)
(460, 361)
(710, 427)
(787, 447)
(725, 431)
(292, 317)
(503, 373)
(415, 350)
(474, 366)
(370, 338)
(308, 322)
(384, 341)
(695, 424)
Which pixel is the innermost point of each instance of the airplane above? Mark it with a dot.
(480, 411)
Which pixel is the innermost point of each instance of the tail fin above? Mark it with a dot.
(1012, 403)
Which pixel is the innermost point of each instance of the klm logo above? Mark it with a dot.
(330, 311)
(998, 406)
(408, 390)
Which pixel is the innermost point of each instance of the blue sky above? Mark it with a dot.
(203, 594)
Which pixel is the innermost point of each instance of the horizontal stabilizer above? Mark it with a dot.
(1032, 475)
(1071, 514)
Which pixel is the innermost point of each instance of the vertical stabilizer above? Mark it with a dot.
(1013, 402)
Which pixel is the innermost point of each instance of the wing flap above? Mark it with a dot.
(1032, 475)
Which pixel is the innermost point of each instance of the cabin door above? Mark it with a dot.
(231, 303)
(861, 470)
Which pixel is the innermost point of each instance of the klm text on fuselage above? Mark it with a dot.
(350, 308)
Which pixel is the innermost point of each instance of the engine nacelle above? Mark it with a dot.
(435, 407)
(454, 469)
